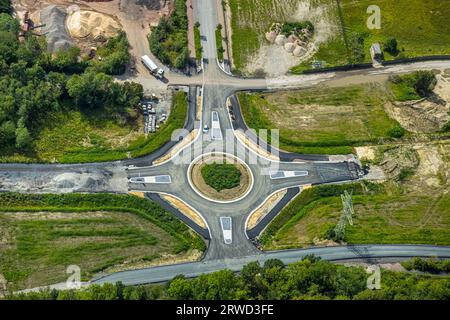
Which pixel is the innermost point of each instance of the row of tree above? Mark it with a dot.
(34, 82)
(310, 278)
(169, 41)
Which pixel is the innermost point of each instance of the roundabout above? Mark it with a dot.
(220, 177)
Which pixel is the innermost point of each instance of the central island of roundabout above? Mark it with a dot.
(220, 177)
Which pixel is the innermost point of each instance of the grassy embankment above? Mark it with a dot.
(421, 29)
(382, 215)
(324, 120)
(43, 234)
(81, 136)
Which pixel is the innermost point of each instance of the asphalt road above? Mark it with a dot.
(217, 87)
(366, 253)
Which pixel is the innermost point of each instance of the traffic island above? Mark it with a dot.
(220, 177)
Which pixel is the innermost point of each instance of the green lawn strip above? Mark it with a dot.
(379, 218)
(339, 131)
(42, 249)
(198, 43)
(221, 176)
(219, 45)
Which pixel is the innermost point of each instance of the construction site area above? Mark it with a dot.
(88, 24)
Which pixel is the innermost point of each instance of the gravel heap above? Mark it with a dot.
(55, 31)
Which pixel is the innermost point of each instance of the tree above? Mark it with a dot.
(180, 289)
(425, 81)
(7, 133)
(8, 23)
(391, 46)
(66, 60)
(5, 6)
(273, 263)
(220, 285)
(92, 90)
(23, 138)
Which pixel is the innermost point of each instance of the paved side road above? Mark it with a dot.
(339, 253)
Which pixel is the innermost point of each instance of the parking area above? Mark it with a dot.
(156, 110)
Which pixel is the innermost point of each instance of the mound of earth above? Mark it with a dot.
(54, 17)
(226, 194)
(84, 23)
(425, 115)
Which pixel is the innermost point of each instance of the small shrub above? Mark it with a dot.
(396, 132)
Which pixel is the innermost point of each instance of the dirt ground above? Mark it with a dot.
(429, 164)
(135, 16)
(186, 210)
(426, 115)
(274, 60)
(226, 194)
(265, 208)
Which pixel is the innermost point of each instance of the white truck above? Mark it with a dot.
(157, 72)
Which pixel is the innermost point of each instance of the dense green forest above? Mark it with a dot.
(169, 41)
(33, 82)
(308, 279)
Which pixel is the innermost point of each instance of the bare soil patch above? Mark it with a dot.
(264, 209)
(426, 115)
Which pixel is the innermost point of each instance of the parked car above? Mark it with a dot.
(205, 129)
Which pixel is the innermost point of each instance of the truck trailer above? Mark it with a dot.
(157, 72)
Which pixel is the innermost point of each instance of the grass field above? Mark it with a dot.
(380, 217)
(421, 28)
(324, 120)
(43, 234)
(84, 136)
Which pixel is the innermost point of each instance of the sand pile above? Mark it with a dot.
(82, 24)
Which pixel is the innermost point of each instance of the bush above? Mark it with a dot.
(221, 176)
(396, 132)
(390, 46)
(419, 84)
(427, 265)
(114, 56)
(168, 41)
(5, 6)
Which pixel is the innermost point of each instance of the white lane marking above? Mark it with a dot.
(225, 224)
(284, 174)
(161, 179)
(216, 132)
